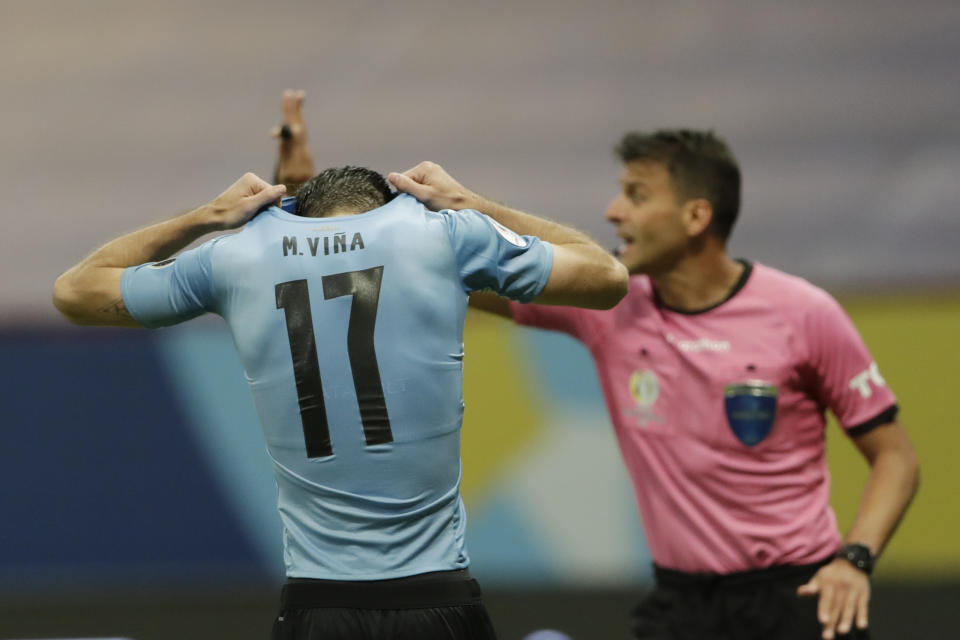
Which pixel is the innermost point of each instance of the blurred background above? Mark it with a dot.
(136, 497)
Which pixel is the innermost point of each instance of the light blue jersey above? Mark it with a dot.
(350, 331)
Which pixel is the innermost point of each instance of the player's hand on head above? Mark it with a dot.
(429, 183)
(241, 201)
(844, 593)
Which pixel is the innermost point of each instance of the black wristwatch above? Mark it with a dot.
(859, 555)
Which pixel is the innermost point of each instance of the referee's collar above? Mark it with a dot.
(738, 285)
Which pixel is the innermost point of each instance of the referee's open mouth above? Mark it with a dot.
(623, 246)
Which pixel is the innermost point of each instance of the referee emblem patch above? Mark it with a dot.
(751, 409)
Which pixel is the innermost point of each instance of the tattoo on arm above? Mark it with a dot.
(117, 310)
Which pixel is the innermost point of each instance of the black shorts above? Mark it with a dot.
(444, 605)
(753, 605)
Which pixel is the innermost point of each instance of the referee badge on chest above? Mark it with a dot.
(751, 409)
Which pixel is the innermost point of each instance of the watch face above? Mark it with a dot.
(859, 556)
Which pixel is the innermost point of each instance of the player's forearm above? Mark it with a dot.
(529, 225)
(89, 292)
(431, 185)
(584, 274)
(155, 242)
(893, 482)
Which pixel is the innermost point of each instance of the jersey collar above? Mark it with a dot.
(289, 204)
(740, 283)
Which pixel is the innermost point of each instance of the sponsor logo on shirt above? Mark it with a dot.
(861, 382)
(162, 263)
(645, 389)
(700, 344)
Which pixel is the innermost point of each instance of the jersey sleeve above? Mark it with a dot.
(159, 294)
(490, 256)
(847, 378)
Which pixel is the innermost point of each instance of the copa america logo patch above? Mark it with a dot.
(645, 389)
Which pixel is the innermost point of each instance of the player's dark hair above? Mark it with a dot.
(700, 164)
(356, 188)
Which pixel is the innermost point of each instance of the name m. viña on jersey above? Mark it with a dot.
(322, 245)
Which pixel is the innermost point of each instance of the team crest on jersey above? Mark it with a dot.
(751, 409)
(645, 389)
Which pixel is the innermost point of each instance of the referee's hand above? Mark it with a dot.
(844, 594)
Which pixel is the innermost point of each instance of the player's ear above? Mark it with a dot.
(697, 215)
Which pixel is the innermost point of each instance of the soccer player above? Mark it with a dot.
(716, 373)
(347, 310)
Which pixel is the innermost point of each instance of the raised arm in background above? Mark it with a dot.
(294, 160)
(584, 273)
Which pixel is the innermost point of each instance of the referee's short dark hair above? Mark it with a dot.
(700, 164)
(353, 188)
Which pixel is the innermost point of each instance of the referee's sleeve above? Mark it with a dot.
(848, 379)
(159, 294)
(490, 256)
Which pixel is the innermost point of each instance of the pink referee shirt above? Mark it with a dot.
(765, 363)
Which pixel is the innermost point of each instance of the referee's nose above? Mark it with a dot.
(616, 211)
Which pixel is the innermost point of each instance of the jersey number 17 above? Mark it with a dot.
(294, 298)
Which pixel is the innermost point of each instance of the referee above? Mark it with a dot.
(716, 374)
